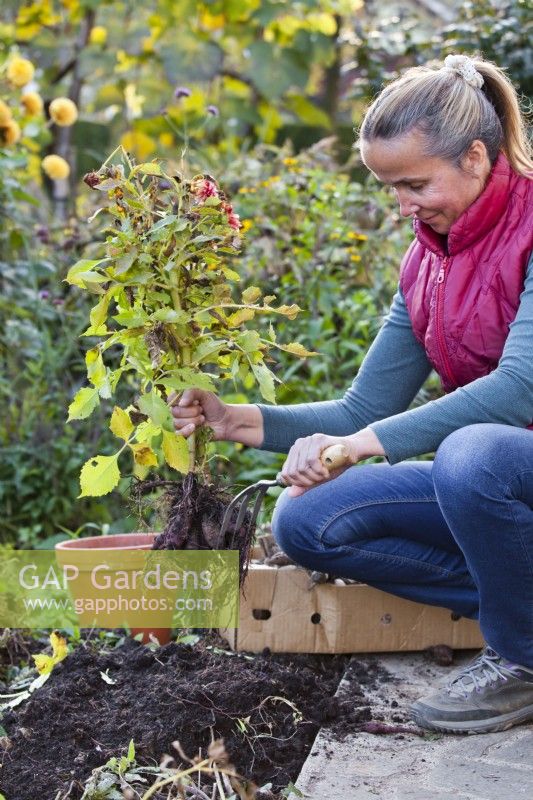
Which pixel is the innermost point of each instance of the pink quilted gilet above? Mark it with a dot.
(463, 290)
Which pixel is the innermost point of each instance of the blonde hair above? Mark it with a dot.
(452, 112)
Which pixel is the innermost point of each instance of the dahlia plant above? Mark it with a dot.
(165, 299)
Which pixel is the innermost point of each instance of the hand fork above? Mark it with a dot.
(332, 457)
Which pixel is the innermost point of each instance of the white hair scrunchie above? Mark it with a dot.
(466, 69)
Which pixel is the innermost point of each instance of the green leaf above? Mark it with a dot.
(131, 319)
(176, 451)
(84, 403)
(207, 351)
(131, 751)
(82, 273)
(121, 424)
(155, 407)
(170, 315)
(146, 431)
(292, 789)
(150, 168)
(99, 314)
(187, 379)
(265, 379)
(124, 263)
(230, 273)
(99, 476)
(250, 341)
(163, 223)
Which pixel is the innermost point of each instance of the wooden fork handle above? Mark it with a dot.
(336, 455)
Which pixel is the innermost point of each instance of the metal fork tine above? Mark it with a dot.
(244, 498)
(244, 508)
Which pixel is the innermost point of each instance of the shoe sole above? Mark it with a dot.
(492, 725)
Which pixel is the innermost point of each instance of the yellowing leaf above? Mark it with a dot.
(121, 424)
(297, 349)
(289, 311)
(242, 315)
(96, 371)
(99, 476)
(251, 294)
(176, 451)
(144, 455)
(45, 663)
(84, 403)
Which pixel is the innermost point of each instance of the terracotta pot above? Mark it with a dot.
(122, 541)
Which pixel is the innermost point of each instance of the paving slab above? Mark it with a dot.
(365, 766)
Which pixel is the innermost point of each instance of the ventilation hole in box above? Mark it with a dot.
(386, 619)
(315, 618)
(261, 613)
(455, 616)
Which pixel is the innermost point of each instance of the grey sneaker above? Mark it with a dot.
(490, 694)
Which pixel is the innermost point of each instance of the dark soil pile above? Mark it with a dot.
(77, 721)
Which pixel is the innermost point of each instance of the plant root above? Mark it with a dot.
(194, 512)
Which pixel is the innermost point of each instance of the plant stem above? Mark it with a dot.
(185, 352)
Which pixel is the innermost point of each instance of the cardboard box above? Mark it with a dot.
(278, 610)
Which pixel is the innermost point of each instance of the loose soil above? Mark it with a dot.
(77, 721)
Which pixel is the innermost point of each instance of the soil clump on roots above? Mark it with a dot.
(192, 694)
(194, 512)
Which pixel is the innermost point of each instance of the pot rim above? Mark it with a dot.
(109, 542)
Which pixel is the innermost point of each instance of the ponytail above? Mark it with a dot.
(503, 97)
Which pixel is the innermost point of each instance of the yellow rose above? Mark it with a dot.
(63, 111)
(20, 71)
(5, 113)
(98, 35)
(55, 167)
(32, 102)
(10, 132)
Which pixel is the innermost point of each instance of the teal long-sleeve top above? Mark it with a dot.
(393, 371)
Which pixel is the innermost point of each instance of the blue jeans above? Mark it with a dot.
(454, 532)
